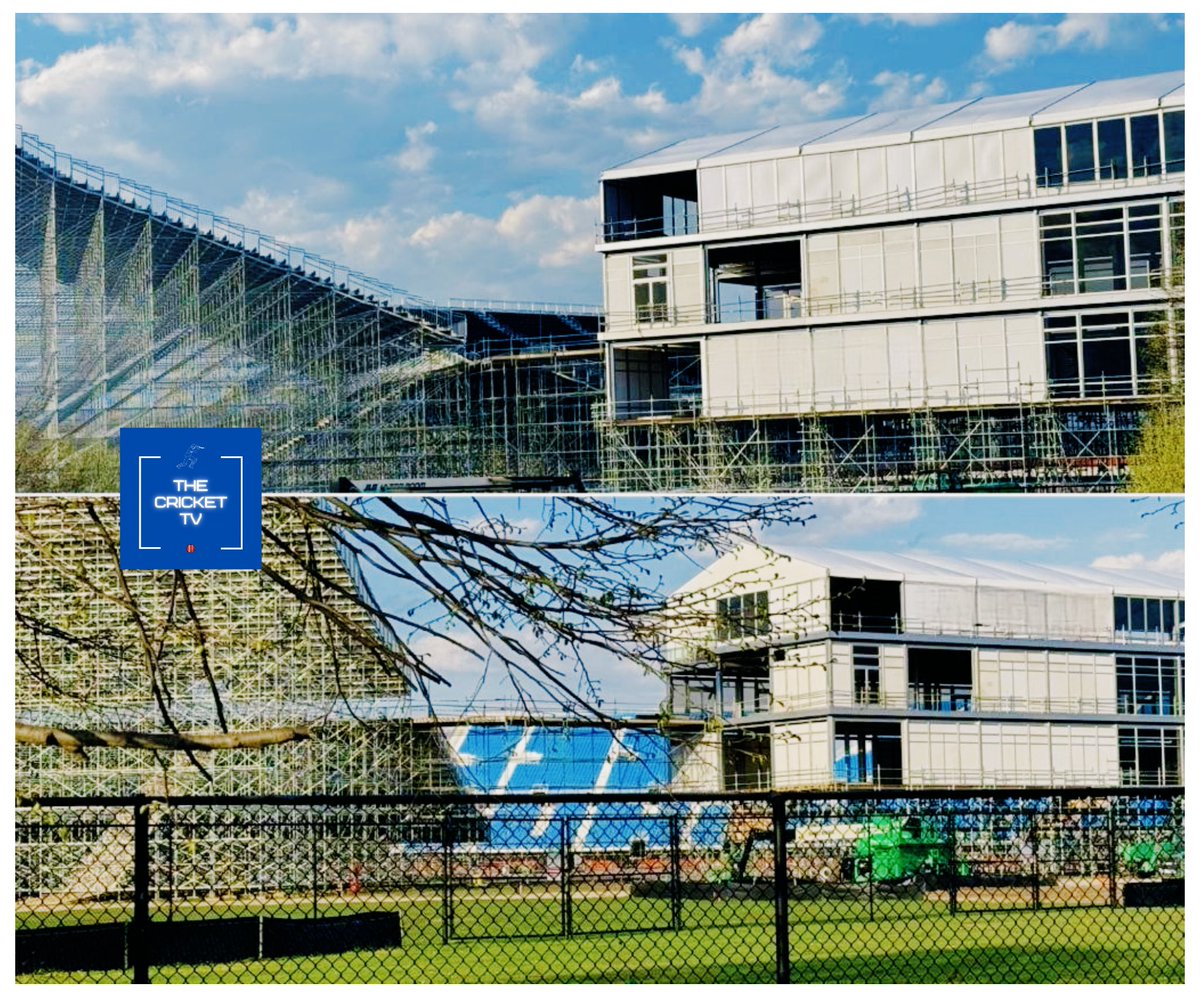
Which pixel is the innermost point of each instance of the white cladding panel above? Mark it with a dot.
(988, 149)
(817, 184)
(800, 754)
(928, 159)
(939, 607)
(711, 191)
(791, 180)
(763, 188)
(1033, 681)
(800, 681)
(1020, 249)
(737, 186)
(833, 368)
(942, 754)
(687, 279)
(618, 284)
(900, 168)
(1018, 152)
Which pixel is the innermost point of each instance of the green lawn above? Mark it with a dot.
(909, 941)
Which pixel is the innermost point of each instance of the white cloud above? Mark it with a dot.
(418, 153)
(1013, 41)
(1002, 541)
(780, 39)
(748, 78)
(911, 20)
(189, 54)
(1170, 563)
(838, 517)
(899, 90)
(690, 25)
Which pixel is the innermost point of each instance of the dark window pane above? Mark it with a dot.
(1107, 369)
(1154, 615)
(1121, 608)
(1101, 263)
(1081, 156)
(1173, 137)
(1137, 615)
(1062, 368)
(1047, 156)
(1058, 264)
(1114, 156)
(1145, 252)
(1143, 140)
(1168, 621)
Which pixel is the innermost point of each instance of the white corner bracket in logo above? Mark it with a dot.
(141, 458)
(241, 502)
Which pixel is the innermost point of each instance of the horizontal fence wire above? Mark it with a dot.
(1080, 885)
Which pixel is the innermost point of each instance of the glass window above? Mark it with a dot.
(650, 288)
(1137, 615)
(866, 675)
(1113, 152)
(1121, 611)
(1154, 615)
(1058, 255)
(1062, 368)
(1144, 146)
(743, 616)
(1145, 246)
(1047, 156)
(1100, 250)
(1173, 140)
(1081, 153)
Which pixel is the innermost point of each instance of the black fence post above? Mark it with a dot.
(1112, 852)
(952, 841)
(564, 873)
(139, 949)
(870, 864)
(316, 865)
(1033, 845)
(447, 879)
(783, 957)
(676, 876)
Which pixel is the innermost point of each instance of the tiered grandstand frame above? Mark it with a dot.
(137, 309)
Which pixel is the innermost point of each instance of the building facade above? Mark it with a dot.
(830, 668)
(962, 295)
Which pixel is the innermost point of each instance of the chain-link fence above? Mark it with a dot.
(1078, 886)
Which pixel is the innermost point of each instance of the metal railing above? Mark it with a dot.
(895, 201)
(901, 299)
(828, 886)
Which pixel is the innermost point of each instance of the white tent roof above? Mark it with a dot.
(1036, 107)
(944, 570)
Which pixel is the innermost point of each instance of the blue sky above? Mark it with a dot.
(458, 155)
(1105, 531)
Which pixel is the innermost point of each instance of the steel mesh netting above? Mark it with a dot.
(871, 887)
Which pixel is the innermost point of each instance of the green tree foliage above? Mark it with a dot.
(1157, 464)
(45, 464)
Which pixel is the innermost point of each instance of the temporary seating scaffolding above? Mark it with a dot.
(137, 309)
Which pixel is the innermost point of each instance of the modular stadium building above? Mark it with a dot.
(970, 295)
(951, 296)
(842, 668)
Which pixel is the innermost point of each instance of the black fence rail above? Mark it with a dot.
(886, 886)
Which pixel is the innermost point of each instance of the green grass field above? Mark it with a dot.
(909, 941)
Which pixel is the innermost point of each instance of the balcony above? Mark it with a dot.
(652, 223)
